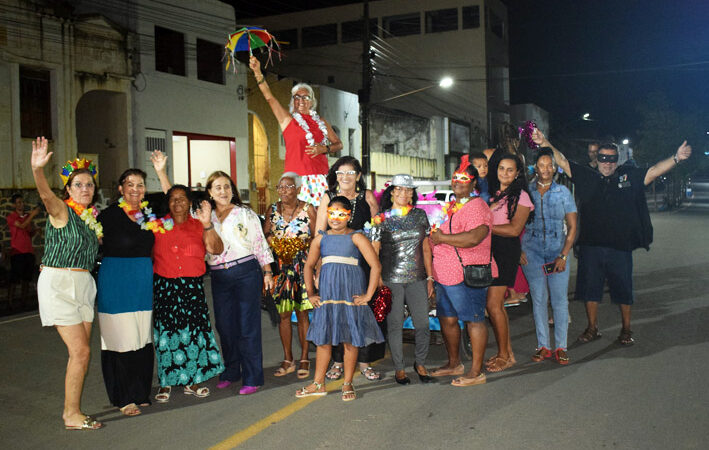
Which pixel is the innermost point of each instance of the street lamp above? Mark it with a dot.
(445, 83)
(586, 116)
(626, 141)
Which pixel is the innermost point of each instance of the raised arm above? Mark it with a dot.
(212, 242)
(683, 152)
(159, 160)
(40, 158)
(282, 115)
(541, 140)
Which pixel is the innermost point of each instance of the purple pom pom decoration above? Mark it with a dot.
(526, 131)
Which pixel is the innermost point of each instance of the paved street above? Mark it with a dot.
(649, 396)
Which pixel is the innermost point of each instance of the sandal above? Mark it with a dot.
(130, 410)
(335, 372)
(626, 338)
(200, 392)
(590, 334)
(349, 394)
(370, 374)
(89, 423)
(163, 395)
(305, 392)
(445, 371)
(465, 381)
(285, 368)
(500, 364)
(541, 354)
(561, 357)
(303, 369)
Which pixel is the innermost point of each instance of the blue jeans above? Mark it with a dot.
(236, 294)
(543, 287)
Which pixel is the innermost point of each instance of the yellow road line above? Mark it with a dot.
(247, 433)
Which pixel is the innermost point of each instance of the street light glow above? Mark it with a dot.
(446, 82)
(626, 141)
(586, 116)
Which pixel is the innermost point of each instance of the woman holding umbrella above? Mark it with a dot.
(309, 138)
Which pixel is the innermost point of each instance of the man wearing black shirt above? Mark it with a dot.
(615, 222)
(593, 155)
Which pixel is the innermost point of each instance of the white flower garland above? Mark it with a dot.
(304, 125)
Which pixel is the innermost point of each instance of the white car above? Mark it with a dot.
(442, 196)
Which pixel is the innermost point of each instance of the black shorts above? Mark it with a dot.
(600, 264)
(506, 251)
(22, 267)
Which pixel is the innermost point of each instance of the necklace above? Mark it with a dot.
(304, 125)
(88, 215)
(153, 224)
(449, 209)
(292, 213)
(544, 184)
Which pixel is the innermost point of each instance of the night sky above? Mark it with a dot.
(597, 56)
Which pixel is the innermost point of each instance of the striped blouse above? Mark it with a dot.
(73, 245)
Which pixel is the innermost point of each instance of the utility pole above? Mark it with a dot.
(364, 93)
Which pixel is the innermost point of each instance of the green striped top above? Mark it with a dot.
(73, 245)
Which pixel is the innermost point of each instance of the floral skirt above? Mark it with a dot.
(289, 293)
(187, 352)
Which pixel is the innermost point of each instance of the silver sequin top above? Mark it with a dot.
(401, 253)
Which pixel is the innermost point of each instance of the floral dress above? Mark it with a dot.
(290, 245)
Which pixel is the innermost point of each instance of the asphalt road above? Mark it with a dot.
(648, 396)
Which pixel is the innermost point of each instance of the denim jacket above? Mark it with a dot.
(550, 211)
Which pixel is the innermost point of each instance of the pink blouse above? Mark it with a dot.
(499, 211)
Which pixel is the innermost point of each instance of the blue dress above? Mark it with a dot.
(338, 319)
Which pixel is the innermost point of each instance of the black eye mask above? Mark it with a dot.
(602, 157)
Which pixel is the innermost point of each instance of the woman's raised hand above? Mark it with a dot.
(40, 156)
(255, 65)
(159, 160)
(539, 138)
(204, 213)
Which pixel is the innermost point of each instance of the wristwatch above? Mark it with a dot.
(563, 256)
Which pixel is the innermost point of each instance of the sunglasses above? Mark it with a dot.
(306, 98)
(462, 178)
(605, 158)
(338, 214)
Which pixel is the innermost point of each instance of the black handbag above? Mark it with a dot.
(475, 275)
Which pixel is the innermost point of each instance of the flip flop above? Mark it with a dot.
(89, 423)
(465, 381)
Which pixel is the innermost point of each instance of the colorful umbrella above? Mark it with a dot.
(247, 39)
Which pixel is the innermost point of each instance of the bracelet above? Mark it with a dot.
(430, 278)
(328, 149)
(210, 227)
(262, 80)
(563, 256)
(267, 272)
(675, 159)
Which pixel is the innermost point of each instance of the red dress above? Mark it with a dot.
(296, 159)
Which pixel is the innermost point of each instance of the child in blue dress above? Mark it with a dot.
(342, 314)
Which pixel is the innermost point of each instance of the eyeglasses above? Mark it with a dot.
(338, 214)
(342, 173)
(285, 187)
(403, 189)
(80, 186)
(305, 98)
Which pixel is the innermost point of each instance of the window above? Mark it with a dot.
(442, 20)
(497, 25)
(320, 35)
(287, 38)
(471, 17)
(209, 61)
(169, 51)
(390, 148)
(402, 25)
(353, 31)
(35, 103)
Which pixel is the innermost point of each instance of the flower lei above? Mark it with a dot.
(153, 224)
(449, 209)
(381, 217)
(88, 215)
(304, 125)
